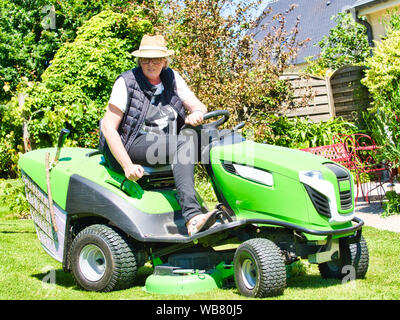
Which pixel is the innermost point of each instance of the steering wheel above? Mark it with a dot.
(213, 125)
(213, 114)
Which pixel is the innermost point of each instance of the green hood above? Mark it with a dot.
(284, 161)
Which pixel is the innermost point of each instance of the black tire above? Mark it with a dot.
(103, 259)
(355, 255)
(259, 269)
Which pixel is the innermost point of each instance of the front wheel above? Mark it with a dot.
(354, 255)
(103, 259)
(259, 269)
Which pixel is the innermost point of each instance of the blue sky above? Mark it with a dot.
(260, 8)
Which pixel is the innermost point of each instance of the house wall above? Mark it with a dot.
(375, 14)
(297, 67)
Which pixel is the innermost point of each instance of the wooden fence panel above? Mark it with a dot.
(315, 91)
(349, 95)
(341, 94)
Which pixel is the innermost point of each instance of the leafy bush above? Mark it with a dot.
(297, 133)
(392, 206)
(382, 80)
(347, 43)
(12, 195)
(75, 88)
(383, 75)
(32, 31)
(223, 63)
(384, 125)
(204, 186)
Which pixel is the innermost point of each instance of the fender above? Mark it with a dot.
(86, 197)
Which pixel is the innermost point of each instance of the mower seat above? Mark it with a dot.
(159, 170)
(157, 177)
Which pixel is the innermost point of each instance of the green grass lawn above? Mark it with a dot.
(24, 265)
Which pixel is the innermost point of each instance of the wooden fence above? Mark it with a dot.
(340, 94)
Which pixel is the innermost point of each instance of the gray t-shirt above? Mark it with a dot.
(160, 119)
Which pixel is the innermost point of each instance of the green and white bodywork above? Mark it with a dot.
(302, 203)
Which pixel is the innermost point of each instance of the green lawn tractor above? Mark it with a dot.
(275, 206)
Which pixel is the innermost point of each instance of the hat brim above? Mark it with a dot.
(152, 53)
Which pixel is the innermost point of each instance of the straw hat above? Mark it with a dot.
(152, 47)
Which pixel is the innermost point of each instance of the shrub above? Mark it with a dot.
(12, 195)
(392, 206)
(382, 80)
(383, 74)
(221, 60)
(32, 31)
(347, 43)
(297, 133)
(384, 124)
(75, 88)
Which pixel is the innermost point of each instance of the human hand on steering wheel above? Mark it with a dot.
(195, 118)
(213, 114)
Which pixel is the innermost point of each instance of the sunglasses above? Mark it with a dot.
(155, 61)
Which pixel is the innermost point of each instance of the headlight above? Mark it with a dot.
(313, 174)
(315, 180)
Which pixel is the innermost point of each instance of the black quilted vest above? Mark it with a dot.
(140, 92)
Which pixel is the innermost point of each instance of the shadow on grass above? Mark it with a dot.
(66, 279)
(142, 275)
(60, 278)
(311, 281)
(7, 232)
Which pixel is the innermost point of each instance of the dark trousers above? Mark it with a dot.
(180, 151)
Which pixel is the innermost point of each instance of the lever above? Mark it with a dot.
(61, 139)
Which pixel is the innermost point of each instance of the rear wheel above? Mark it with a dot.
(352, 255)
(102, 259)
(259, 269)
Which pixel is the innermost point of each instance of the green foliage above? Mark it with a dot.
(31, 31)
(385, 127)
(297, 269)
(216, 52)
(392, 20)
(75, 88)
(297, 133)
(392, 206)
(382, 80)
(9, 150)
(12, 195)
(347, 43)
(204, 186)
(383, 72)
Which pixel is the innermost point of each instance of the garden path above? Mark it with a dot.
(371, 214)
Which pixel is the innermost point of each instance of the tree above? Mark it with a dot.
(224, 65)
(75, 88)
(347, 43)
(31, 32)
(382, 80)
